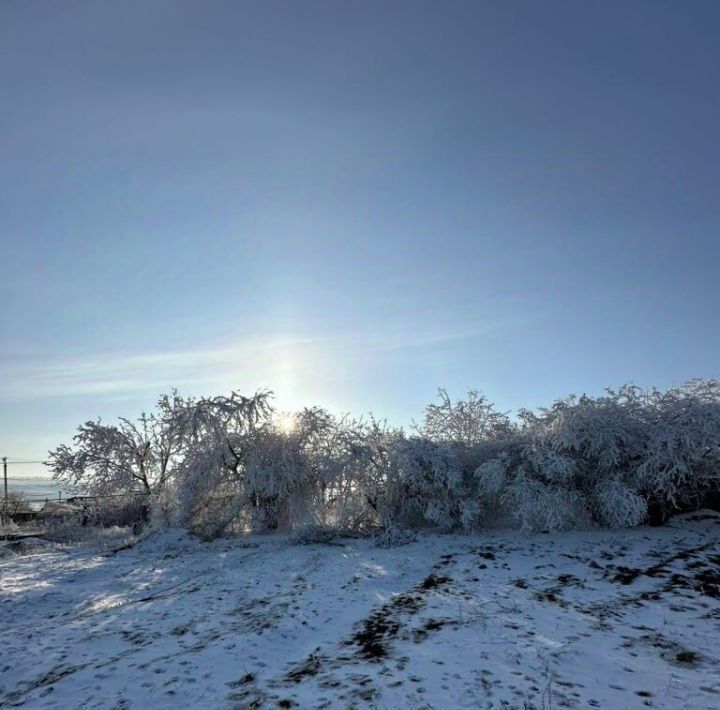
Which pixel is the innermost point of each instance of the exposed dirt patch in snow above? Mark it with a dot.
(385, 623)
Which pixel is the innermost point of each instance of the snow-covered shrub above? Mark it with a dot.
(681, 465)
(489, 489)
(466, 422)
(278, 482)
(315, 469)
(534, 488)
(91, 518)
(11, 505)
(617, 505)
(323, 471)
(393, 535)
(315, 535)
(426, 485)
(219, 434)
(538, 506)
(356, 474)
(601, 434)
(434, 478)
(208, 498)
(227, 464)
(621, 454)
(318, 534)
(491, 478)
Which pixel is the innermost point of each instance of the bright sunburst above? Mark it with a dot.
(285, 423)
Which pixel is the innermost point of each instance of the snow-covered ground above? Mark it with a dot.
(591, 619)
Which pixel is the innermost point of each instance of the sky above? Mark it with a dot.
(352, 203)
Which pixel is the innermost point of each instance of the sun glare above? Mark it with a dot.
(286, 423)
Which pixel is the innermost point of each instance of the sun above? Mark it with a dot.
(286, 423)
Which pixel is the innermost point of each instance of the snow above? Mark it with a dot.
(503, 619)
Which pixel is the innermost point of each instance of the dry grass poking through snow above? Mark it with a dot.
(501, 620)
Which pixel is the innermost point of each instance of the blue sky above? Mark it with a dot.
(352, 203)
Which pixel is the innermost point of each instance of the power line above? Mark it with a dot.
(21, 458)
(22, 463)
(81, 499)
(27, 478)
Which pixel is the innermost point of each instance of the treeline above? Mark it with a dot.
(230, 464)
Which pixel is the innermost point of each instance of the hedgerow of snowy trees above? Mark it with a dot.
(229, 464)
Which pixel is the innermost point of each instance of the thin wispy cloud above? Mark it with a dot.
(251, 363)
(118, 372)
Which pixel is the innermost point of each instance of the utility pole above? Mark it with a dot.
(5, 507)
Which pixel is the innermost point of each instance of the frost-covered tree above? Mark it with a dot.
(129, 456)
(11, 505)
(219, 433)
(147, 455)
(426, 486)
(468, 421)
(566, 457)
(226, 464)
(118, 458)
(681, 465)
(624, 456)
(437, 468)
